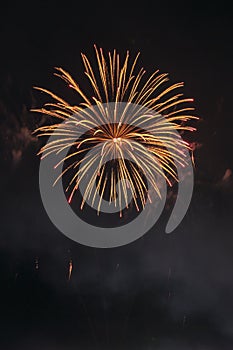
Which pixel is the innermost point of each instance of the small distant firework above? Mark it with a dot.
(116, 82)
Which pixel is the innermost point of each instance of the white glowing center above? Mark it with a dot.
(116, 139)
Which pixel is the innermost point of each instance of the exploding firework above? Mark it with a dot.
(143, 136)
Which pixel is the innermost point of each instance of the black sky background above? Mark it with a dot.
(164, 292)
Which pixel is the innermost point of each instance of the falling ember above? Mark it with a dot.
(154, 149)
(193, 147)
(70, 269)
(184, 321)
(36, 263)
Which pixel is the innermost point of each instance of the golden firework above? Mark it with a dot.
(144, 137)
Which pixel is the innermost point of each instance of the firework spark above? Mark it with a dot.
(154, 149)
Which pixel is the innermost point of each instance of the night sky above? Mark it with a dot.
(166, 292)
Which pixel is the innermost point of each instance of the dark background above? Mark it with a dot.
(163, 291)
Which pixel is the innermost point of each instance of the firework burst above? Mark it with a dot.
(144, 137)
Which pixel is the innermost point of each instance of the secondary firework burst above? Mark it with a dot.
(153, 148)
